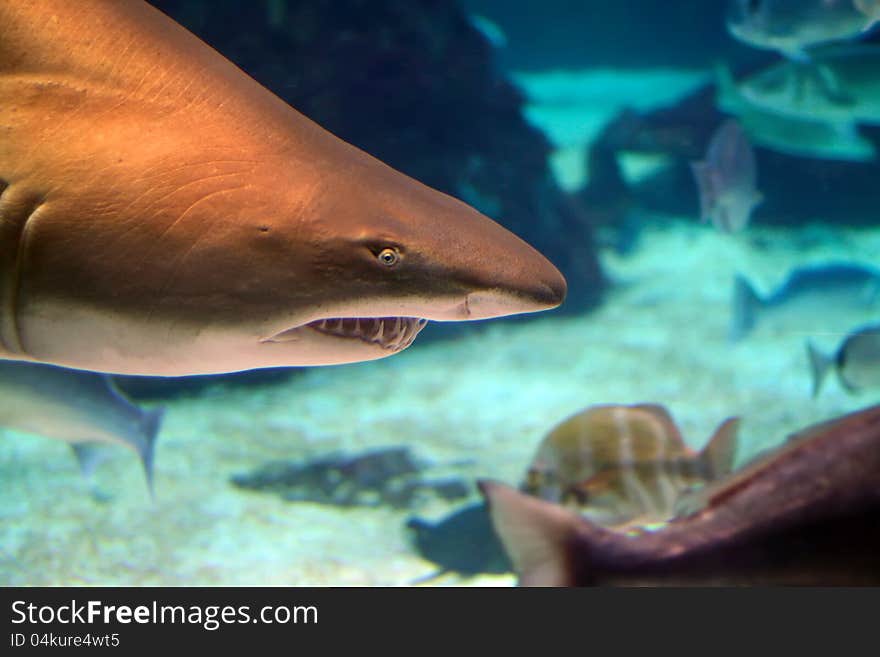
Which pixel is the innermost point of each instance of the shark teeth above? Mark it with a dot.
(392, 333)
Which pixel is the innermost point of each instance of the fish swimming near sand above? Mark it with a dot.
(856, 361)
(821, 298)
(625, 464)
(792, 27)
(726, 179)
(807, 513)
(83, 409)
(162, 213)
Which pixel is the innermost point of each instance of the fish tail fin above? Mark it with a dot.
(745, 306)
(719, 454)
(539, 537)
(151, 423)
(820, 363)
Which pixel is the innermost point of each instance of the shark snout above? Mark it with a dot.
(522, 290)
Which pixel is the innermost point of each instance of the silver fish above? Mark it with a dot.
(856, 361)
(792, 27)
(726, 179)
(821, 297)
(82, 408)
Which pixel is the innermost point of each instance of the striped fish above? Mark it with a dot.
(623, 465)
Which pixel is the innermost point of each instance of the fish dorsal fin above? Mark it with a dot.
(539, 537)
(719, 454)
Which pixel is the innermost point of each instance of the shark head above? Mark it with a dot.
(205, 226)
(389, 254)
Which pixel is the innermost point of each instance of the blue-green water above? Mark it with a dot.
(476, 403)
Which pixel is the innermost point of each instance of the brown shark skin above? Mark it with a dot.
(806, 514)
(154, 197)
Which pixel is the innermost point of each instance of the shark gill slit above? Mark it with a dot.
(14, 223)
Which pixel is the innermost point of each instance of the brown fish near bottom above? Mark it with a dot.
(621, 464)
(807, 513)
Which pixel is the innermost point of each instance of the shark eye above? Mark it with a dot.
(388, 257)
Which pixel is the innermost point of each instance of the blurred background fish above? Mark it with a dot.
(870, 8)
(840, 87)
(813, 299)
(82, 408)
(792, 27)
(726, 179)
(856, 361)
(625, 464)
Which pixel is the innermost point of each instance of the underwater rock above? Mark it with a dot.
(463, 542)
(807, 513)
(389, 476)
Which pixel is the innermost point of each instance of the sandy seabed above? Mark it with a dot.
(476, 406)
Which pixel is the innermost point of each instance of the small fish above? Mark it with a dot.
(82, 408)
(726, 179)
(792, 27)
(807, 513)
(839, 87)
(819, 297)
(856, 361)
(625, 464)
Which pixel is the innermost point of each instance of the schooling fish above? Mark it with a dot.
(815, 298)
(794, 26)
(162, 213)
(726, 179)
(839, 87)
(805, 514)
(81, 408)
(856, 361)
(623, 464)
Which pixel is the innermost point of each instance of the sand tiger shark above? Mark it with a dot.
(162, 213)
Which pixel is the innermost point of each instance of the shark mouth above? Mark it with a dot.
(391, 333)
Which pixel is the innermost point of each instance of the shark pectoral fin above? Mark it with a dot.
(538, 536)
(719, 454)
(89, 456)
